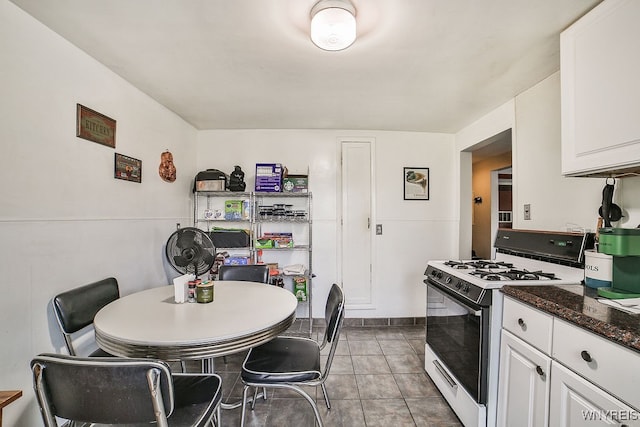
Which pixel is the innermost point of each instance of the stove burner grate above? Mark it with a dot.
(484, 264)
(513, 274)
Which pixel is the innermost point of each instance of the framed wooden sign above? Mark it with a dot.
(127, 168)
(95, 126)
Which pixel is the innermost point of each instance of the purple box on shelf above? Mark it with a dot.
(269, 177)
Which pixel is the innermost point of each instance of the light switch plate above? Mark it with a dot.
(527, 212)
(378, 229)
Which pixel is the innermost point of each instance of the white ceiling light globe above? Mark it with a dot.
(333, 24)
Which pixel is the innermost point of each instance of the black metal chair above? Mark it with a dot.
(75, 309)
(113, 390)
(291, 362)
(246, 273)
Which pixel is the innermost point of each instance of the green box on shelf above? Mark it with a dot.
(264, 244)
(300, 288)
(295, 184)
(233, 209)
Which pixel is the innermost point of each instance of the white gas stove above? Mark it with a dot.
(464, 312)
(469, 278)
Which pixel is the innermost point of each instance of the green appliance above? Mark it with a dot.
(624, 245)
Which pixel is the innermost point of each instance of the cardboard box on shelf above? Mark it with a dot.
(280, 240)
(233, 210)
(300, 288)
(269, 177)
(295, 184)
(237, 260)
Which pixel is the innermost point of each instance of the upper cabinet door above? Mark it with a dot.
(600, 77)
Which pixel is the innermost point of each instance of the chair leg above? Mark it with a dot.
(326, 396)
(311, 402)
(217, 418)
(298, 390)
(244, 404)
(255, 397)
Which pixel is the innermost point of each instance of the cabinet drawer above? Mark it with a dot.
(608, 365)
(529, 324)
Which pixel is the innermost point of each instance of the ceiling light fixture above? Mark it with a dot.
(333, 24)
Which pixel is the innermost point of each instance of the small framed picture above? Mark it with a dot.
(127, 168)
(94, 126)
(416, 183)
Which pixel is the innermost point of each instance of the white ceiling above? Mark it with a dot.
(417, 65)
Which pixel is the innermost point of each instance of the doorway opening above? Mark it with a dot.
(491, 182)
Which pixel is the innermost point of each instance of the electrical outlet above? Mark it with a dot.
(378, 229)
(527, 212)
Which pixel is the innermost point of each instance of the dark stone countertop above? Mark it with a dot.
(577, 304)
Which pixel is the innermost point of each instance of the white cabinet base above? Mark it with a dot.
(524, 384)
(575, 402)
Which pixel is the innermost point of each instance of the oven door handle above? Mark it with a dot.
(445, 375)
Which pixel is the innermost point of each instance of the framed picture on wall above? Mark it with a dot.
(94, 126)
(416, 183)
(127, 168)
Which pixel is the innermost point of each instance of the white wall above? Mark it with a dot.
(413, 231)
(557, 203)
(64, 220)
(491, 124)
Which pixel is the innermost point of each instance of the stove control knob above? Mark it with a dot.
(459, 284)
(447, 280)
(439, 275)
(466, 289)
(434, 272)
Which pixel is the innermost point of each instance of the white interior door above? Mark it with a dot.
(356, 224)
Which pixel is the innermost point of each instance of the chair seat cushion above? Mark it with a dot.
(196, 397)
(284, 359)
(100, 353)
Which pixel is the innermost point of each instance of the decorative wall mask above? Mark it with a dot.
(167, 169)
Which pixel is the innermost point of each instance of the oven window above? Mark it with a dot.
(455, 334)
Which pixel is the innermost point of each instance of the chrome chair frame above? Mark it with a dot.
(79, 389)
(334, 317)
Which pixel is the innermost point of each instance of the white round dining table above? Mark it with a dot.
(151, 324)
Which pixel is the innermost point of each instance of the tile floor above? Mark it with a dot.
(377, 379)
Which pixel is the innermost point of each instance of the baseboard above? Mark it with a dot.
(364, 322)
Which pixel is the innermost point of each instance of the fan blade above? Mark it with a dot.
(208, 258)
(186, 239)
(181, 261)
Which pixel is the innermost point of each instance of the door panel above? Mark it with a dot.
(356, 223)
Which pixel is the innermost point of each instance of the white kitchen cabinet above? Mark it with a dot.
(554, 373)
(576, 402)
(524, 384)
(600, 91)
(612, 367)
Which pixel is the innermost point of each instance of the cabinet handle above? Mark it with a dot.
(539, 370)
(521, 322)
(585, 356)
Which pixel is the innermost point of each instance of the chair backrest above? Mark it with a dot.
(245, 273)
(102, 390)
(333, 316)
(75, 309)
